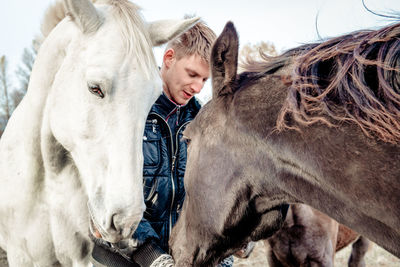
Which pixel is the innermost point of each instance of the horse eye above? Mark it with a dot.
(186, 140)
(96, 90)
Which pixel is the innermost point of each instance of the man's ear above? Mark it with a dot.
(169, 57)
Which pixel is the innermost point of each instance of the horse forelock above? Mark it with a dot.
(354, 78)
(135, 33)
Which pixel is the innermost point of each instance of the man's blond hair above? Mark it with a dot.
(197, 40)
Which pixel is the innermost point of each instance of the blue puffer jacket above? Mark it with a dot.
(164, 154)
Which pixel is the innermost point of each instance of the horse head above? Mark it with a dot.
(105, 81)
(224, 206)
(317, 125)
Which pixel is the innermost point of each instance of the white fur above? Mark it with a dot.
(174, 26)
(66, 151)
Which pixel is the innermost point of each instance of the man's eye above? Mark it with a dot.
(96, 90)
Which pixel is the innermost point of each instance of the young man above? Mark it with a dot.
(184, 71)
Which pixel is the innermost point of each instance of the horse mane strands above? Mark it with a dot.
(53, 15)
(354, 78)
(135, 32)
(265, 64)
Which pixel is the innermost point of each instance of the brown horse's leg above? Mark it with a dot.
(360, 248)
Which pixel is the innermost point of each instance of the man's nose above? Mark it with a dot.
(197, 86)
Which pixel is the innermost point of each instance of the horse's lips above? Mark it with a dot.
(98, 232)
(94, 230)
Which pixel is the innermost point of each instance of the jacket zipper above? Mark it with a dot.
(172, 170)
(178, 111)
(175, 151)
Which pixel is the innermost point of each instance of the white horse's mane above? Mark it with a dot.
(131, 23)
(53, 15)
(135, 32)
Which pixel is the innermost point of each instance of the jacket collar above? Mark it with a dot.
(164, 106)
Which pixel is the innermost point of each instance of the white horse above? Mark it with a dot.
(71, 154)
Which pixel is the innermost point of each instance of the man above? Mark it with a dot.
(184, 71)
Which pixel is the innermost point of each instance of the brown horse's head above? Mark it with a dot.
(244, 162)
(225, 203)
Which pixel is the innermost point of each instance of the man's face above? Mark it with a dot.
(183, 78)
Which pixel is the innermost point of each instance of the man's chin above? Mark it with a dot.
(183, 101)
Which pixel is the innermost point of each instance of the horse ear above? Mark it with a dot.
(224, 60)
(161, 31)
(84, 14)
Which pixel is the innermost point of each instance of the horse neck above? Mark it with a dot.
(257, 104)
(22, 137)
(255, 113)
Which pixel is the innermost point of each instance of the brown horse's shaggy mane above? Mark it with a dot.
(354, 78)
(255, 69)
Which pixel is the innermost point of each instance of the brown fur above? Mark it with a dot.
(330, 82)
(241, 170)
(310, 238)
(345, 237)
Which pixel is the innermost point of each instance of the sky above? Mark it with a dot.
(284, 23)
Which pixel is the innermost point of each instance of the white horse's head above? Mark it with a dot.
(103, 77)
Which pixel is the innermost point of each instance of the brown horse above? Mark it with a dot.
(319, 125)
(311, 238)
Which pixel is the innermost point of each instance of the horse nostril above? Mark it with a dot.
(114, 222)
(124, 225)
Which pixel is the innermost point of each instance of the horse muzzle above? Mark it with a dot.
(115, 228)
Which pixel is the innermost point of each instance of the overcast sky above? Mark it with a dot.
(285, 23)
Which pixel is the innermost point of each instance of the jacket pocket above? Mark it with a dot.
(151, 145)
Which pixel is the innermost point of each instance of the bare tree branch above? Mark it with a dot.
(4, 84)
